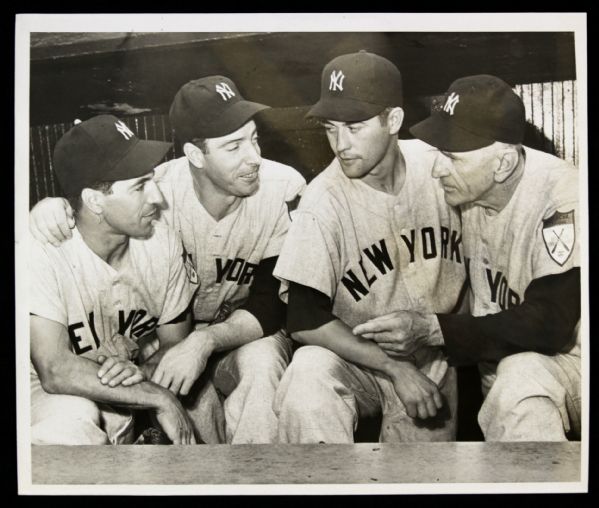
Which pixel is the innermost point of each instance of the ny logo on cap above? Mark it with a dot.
(451, 102)
(124, 130)
(225, 91)
(336, 82)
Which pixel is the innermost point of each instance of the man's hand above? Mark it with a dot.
(51, 220)
(418, 393)
(175, 421)
(183, 363)
(402, 332)
(116, 371)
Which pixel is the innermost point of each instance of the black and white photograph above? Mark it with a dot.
(301, 253)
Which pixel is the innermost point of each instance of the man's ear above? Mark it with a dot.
(395, 120)
(194, 154)
(93, 199)
(508, 162)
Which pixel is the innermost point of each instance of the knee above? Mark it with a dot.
(264, 356)
(68, 420)
(309, 381)
(521, 364)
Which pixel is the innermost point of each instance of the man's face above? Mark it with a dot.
(132, 206)
(232, 161)
(466, 177)
(359, 146)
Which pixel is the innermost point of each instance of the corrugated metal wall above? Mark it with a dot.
(550, 107)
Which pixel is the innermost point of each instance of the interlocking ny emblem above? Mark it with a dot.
(559, 236)
(124, 130)
(225, 91)
(336, 82)
(451, 102)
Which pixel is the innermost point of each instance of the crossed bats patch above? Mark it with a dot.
(559, 236)
(192, 275)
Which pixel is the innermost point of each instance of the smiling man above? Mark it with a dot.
(520, 216)
(232, 209)
(99, 298)
(371, 233)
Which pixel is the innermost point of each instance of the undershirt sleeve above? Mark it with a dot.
(263, 301)
(544, 323)
(307, 308)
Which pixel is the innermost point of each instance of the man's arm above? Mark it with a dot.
(308, 307)
(62, 372)
(51, 220)
(542, 323)
(263, 313)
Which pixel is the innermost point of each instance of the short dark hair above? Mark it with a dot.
(75, 200)
(200, 143)
(384, 115)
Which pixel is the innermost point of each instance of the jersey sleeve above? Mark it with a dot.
(310, 255)
(293, 189)
(46, 299)
(182, 282)
(557, 238)
(275, 242)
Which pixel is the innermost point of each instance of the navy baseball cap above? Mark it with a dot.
(103, 149)
(356, 87)
(476, 112)
(210, 107)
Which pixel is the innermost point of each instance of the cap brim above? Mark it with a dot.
(143, 157)
(344, 110)
(440, 131)
(234, 117)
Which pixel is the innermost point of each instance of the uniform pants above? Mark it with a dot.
(71, 420)
(321, 398)
(247, 377)
(531, 397)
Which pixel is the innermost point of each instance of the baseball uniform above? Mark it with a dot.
(71, 285)
(225, 254)
(530, 396)
(371, 253)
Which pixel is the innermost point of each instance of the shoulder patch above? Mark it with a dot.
(192, 275)
(559, 236)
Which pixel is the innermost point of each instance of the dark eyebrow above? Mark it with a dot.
(239, 139)
(142, 179)
(449, 155)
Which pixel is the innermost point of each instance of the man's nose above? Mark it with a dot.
(253, 155)
(440, 167)
(155, 196)
(342, 140)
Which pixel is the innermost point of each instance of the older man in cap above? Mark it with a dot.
(232, 209)
(520, 214)
(98, 299)
(371, 233)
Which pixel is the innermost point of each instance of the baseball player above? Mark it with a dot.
(372, 232)
(232, 209)
(521, 242)
(101, 296)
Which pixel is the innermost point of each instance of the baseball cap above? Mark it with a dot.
(103, 149)
(477, 111)
(210, 107)
(356, 87)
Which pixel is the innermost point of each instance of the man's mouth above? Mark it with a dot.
(250, 176)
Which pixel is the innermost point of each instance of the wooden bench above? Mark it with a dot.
(363, 463)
